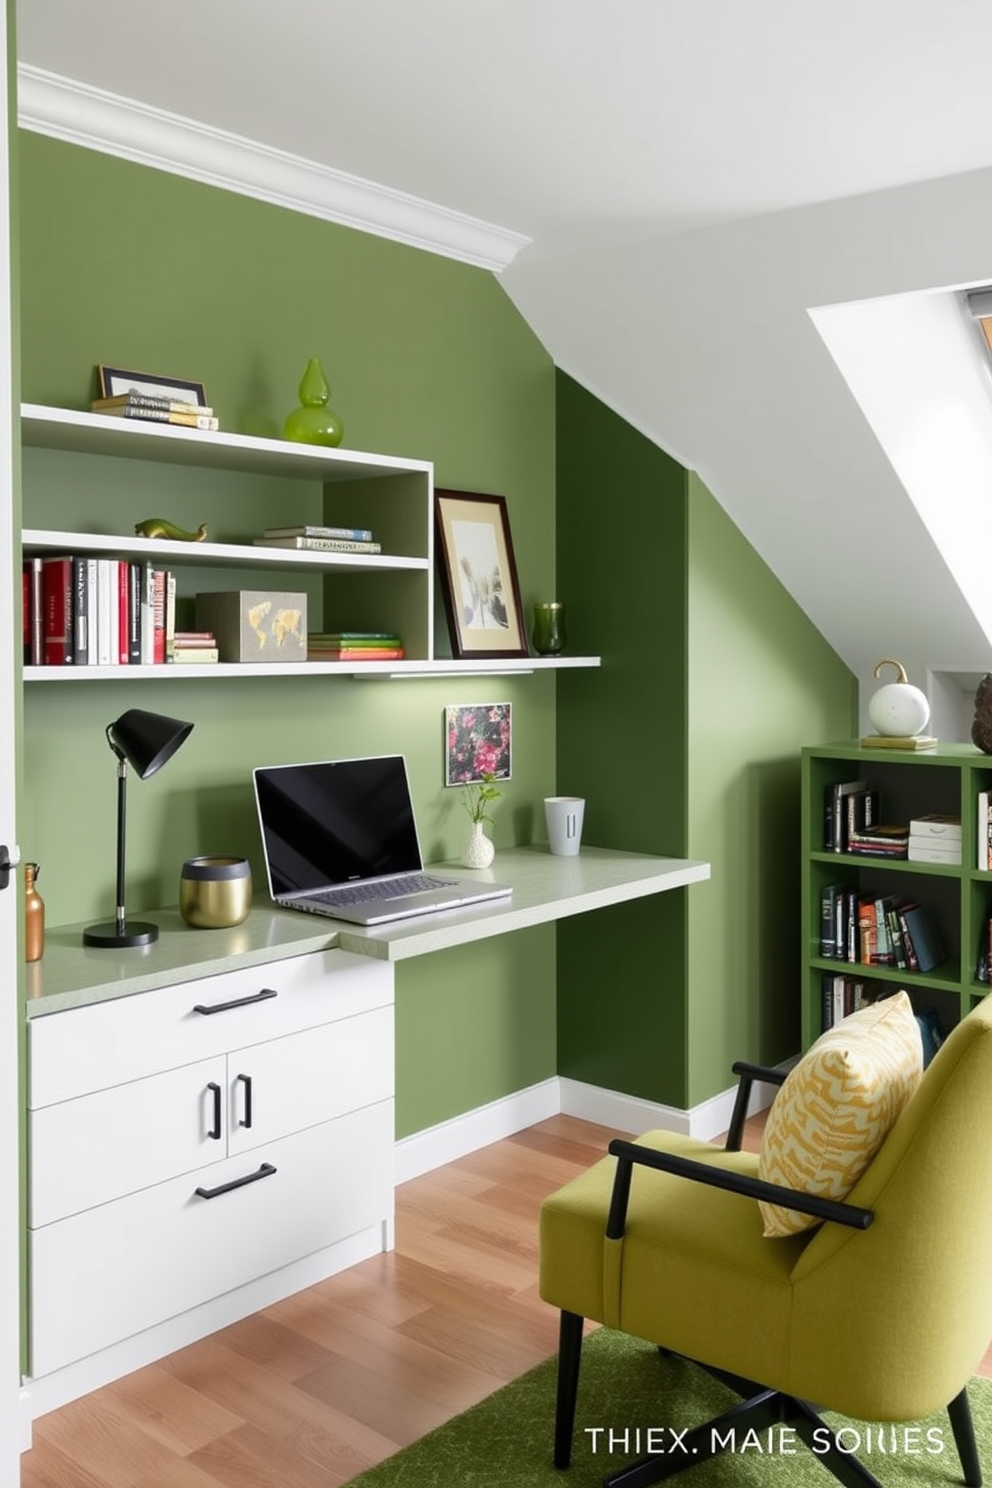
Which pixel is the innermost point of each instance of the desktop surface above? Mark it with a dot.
(545, 888)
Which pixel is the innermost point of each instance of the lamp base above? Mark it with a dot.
(134, 933)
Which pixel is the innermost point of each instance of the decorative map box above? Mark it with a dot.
(255, 625)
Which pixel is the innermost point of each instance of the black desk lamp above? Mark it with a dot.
(144, 741)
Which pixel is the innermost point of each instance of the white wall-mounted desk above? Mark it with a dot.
(544, 887)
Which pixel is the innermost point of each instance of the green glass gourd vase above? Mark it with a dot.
(313, 422)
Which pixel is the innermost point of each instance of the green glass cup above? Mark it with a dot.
(548, 635)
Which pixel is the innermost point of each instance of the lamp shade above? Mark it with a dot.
(147, 740)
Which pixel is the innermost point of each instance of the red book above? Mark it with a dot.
(56, 590)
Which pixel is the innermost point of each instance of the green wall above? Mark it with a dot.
(687, 745)
(427, 359)
(686, 742)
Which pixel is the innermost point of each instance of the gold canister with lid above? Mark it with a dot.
(215, 892)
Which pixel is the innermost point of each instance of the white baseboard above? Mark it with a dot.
(629, 1113)
(437, 1145)
(457, 1137)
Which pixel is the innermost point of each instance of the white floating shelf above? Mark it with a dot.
(250, 670)
(236, 555)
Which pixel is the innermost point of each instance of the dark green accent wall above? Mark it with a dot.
(622, 536)
(688, 746)
(427, 359)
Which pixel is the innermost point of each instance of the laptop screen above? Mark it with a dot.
(335, 822)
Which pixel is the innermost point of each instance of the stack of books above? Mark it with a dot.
(158, 410)
(316, 539)
(354, 645)
(935, 838)
(195, 647)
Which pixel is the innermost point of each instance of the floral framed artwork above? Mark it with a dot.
(477, 742)
(478, 575)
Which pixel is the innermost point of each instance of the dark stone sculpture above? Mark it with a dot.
(981, 728)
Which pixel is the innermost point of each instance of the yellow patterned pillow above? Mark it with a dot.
(837, 1105)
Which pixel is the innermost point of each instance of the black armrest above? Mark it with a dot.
(747, 1074)
(628, 1153)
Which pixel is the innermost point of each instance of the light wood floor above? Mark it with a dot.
(314, 1389)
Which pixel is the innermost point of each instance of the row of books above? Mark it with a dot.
(82, 611)
(852, 824)
(354, 645)
(843, 995)
(877, 931)
(157, 410)
(317, 539)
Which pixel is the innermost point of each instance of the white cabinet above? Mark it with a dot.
(186, 1141)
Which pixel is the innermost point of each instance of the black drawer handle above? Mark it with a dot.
(265, 1171)
(214, 1131)
(223, 1007)
(245, 1120)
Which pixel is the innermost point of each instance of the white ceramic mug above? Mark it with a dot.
(563, 815)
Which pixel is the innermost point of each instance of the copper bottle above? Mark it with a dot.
(34, 915)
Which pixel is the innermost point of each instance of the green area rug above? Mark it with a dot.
(506, 1440)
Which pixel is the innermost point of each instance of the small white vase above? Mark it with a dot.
(478, 851)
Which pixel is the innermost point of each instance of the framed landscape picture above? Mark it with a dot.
(116, 382)
(478, 575)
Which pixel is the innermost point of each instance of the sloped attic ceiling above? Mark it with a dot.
(681, 190)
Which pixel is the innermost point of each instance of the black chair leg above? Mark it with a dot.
(569, 1359)
(959, 1411)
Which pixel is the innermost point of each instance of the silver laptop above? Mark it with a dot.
(340, 839)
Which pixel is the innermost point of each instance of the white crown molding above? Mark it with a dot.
(81, 115)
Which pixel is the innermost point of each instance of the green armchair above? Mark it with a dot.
(881, 1312)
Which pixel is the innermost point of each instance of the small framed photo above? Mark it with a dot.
(478, 575)
(477, 741)
(116, 382)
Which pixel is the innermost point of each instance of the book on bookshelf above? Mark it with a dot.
(34, 640)
(320, 544)
(881, 841)
(924, 946)
(902, 743)
(933, 850)
(196, 420)
(935, 824)
(149, 401)
(983, 833)
(353, 534)
(358, 653)
(57, 610)
(195, 655)
(835, 826)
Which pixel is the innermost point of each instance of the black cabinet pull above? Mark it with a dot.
(223, 1007)
(265, 1171)
(214, 1132)
(245, 1120)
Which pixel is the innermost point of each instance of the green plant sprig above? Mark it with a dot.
(476, 798)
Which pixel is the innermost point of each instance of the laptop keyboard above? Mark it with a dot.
(413, 883)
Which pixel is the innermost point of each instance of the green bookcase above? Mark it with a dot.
(948, 780)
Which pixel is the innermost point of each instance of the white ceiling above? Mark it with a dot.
(694, 176)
